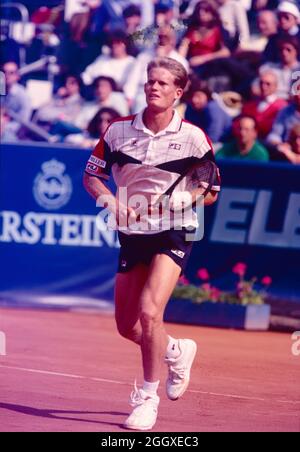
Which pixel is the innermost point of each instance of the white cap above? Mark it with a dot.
(289, 7)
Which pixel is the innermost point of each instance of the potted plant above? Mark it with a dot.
(204, 304)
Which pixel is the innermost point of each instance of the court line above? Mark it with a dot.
(105, 380)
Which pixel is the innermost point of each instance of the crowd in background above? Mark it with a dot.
(243, 59)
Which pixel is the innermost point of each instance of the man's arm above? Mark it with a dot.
(97, 189)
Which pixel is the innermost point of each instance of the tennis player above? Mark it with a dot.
(146, 153)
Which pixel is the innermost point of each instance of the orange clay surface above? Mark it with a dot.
(70, 371)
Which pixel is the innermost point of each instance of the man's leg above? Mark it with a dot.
(128, 290)
(162, 278)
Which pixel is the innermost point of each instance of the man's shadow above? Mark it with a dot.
(55, 414)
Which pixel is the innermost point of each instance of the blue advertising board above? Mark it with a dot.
(49, 242)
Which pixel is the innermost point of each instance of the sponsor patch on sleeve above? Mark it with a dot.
(96, 161)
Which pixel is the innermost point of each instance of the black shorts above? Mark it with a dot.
(138, 248)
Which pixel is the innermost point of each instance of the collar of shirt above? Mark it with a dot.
(174, 125)
(264, 104)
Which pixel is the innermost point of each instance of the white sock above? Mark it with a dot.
(151, 387)
(173, 350)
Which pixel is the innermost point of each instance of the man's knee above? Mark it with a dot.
(151, 318)
(130, 333)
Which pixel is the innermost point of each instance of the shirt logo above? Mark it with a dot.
(175, 146)
(178, 253)
(97, 161)
(92, 168)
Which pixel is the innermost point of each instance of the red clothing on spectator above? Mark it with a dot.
(199, 45)
(266, 117)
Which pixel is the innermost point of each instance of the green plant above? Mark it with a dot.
(245, 291)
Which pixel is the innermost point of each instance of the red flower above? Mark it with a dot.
(240, 269)
(203, 274)
(266, 281)
(206, 287)
(183, 281)
(215, 294)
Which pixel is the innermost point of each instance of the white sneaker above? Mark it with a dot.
(180, 369)
(144, 414)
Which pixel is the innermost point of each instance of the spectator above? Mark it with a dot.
(164, 11)
(266, 107)
(132, 18)
(65, 106)
(288, 18)
(106, 96)
(285, 121)
(235, 22)
(291, 149)
(203, 41)
(115, 65)
(267, 24)
(132, 23)
(16, 102)
(7, 133)
(245, 145)
(289, 51)
(134, 87)
(95, 129)
(206, 113)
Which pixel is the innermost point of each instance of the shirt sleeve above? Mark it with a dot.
(101, 160)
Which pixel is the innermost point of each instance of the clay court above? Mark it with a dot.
(70, 371)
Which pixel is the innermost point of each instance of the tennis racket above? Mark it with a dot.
(203, 174)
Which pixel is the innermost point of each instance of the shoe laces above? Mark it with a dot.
(137, 397)
(177, 373)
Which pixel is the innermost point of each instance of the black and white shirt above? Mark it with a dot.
(146, 163)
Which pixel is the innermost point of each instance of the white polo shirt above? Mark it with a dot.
(146, 163)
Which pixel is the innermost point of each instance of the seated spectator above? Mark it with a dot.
(106, 96)
(7, 133)
(16, 102)
(291, 149)
(235, 22)
(115, 65)
(165, 47)
(288, 26)
(164, 13)
(203, 41)
(95, 129)
(65, 106)
(132, 22)
(266, 107)
(245, 145)
(267, 25)
(206, 113)
(289, 53)
(132, 18)
(285, 121)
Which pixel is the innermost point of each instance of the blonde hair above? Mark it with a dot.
(173, 66)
